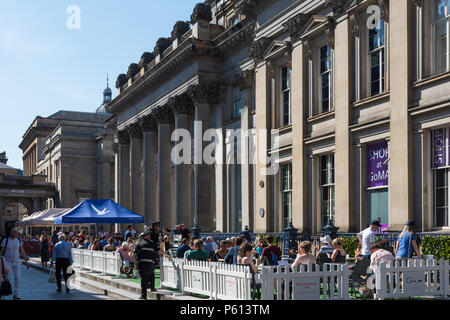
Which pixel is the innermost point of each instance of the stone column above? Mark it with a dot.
(299, 161)
(106, 179)
(124, 169)
(150, 131)
(203, 95)
(116, 179)
(182, 107)
(344, 151)
(401, 166)
(262, 125)
(245, 83)
(165, 117)
(135, 133)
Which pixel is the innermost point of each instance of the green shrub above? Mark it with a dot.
(350, 244)
(439, 247)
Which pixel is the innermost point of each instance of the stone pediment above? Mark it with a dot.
(304, 24)
(275, 48)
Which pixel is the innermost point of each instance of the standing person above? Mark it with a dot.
(102, 233)
(44, 249)
(407, 243)
(166, 238)
(146, 254)
(128, 233)
(185, 232)
(3, 271)
(271, 254)
(62, 255)
(367, 238)
(12, 250)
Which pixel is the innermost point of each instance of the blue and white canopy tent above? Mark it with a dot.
(98, 211)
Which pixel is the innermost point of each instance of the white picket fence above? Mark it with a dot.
(412, 278)
(218, 281)
(306, 282)
(97, 261)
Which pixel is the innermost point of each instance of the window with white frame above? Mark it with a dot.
(327, 191)
(325, 80)
(285, 96)
(377, 56)
(286, 193)
(441, 35)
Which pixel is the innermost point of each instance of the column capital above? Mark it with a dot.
(163, 114)
(135, 131)
(124, 137)
(148, 123)
(204, 92)
(244, 79)
(181, 104)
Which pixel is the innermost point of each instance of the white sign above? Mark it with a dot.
(414, 283)
(197, 280)
(307, 289)
(230, 287)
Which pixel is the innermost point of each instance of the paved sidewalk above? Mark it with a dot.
(34, 285)
(115, 288)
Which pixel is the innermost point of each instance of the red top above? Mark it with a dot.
(268, 251)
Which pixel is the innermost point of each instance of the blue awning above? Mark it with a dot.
(98, 211)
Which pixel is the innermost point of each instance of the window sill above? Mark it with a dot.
(283, 129)
(372, 99)
(322, 116)
(431, 79)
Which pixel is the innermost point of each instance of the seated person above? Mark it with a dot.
(191, 247)
(304, 255)
(126, 254)
(183, 248)
(198, 253)
(110, 247)
(220, 254)
(339, 252)
(245, 256)
(379, 255)
(325, 245)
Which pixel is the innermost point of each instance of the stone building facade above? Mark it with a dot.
(74, 151)
(350, 98)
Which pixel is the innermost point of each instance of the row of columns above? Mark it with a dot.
(144, 163)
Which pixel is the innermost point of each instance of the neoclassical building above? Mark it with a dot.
(350, 99)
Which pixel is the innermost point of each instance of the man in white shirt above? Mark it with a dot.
(367, 238)
(102, 233)
(12, 250)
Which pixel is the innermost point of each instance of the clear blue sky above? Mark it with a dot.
(45, 67)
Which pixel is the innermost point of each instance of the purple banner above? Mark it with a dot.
(439, 143)
(377, 165)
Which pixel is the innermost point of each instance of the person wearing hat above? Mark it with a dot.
(146, 255)
(325, 245)
(367, 238)
(407, 243)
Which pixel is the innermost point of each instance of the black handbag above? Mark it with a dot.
(6, 287)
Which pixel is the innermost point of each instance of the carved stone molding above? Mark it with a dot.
(296, 25)
(179, 29)
(124, 137)
(354, 20)
(133, 70)
(244, 80)
(201, 12)
(161, 45)
(163, 114)
(339, 6)
(181, 104)
(121, 80)
(308, 49)
(146, 58)
(258, 48)
(149, 123)
(116, 147)
(204, 92)
(384, 10)
(329, 32)
(135, 131)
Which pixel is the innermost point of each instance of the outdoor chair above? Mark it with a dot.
(359, 274)
(321, 259)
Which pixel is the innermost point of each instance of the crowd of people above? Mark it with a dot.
(237, 250)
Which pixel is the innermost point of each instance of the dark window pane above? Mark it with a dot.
(441, 178)
(441, 197)
(442, 217)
